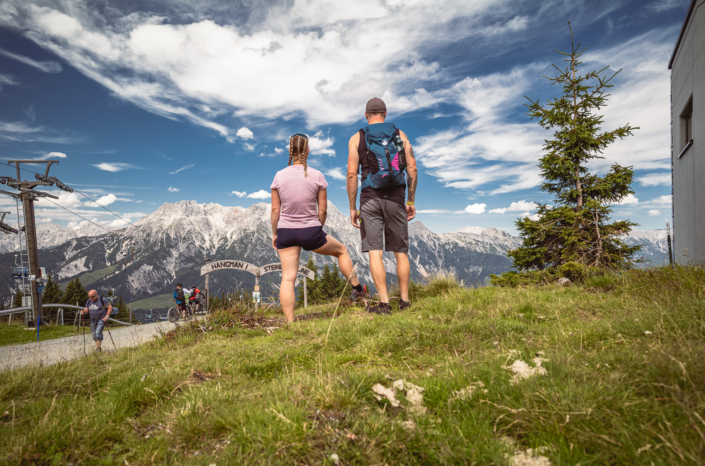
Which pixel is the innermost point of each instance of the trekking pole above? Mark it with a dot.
(111, 338)
(83, 324)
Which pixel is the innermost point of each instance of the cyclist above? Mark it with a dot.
(195, 298)
(180, 298)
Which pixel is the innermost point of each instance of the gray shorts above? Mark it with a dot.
(384, 221)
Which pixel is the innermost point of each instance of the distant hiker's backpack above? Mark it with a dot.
(180, 295)
(385, 156)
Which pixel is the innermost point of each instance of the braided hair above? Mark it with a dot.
(298, 150)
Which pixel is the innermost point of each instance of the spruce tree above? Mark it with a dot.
(18, 299)
(120, 306)
(52, 293)
(577, 228)
(75, 293)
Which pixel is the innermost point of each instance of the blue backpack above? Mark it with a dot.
(386, 160)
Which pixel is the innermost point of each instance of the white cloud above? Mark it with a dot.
(68, 200)
(52, 155)
(278, 150)
(517, 206)
(244, 133)
(186, 167)
(18, 131)
(655, 179)
(319, 145)
(664, 200)
(336, 173)
(261, 194)
(196, 62)
(46, 66)
(629, 199)
(172, 189)
(654, 213)
(476, 208)
(103, 201)
(238, 193)
(113, 167)
(249, 147)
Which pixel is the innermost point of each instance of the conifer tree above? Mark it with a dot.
(75, 293)
(577, 228)
(120, 306)
(18, 299)
(52, 293)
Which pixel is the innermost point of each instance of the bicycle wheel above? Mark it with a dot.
(173, 315)
(199, 308)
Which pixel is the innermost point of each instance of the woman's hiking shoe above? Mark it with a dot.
(403, 305)
(355, 295)
(380, 308)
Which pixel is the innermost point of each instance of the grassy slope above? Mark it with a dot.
(159, 301)
(612, 395)
(14, 334)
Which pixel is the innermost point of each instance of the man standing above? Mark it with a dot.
(99, 309)
(380, 150)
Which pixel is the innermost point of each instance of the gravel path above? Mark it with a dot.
(68, 348)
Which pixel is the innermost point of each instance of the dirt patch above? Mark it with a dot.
(197, 377)
(313, 315)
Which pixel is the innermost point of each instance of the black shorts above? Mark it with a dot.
(308, 238)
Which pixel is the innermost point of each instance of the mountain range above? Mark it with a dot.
(171, 243)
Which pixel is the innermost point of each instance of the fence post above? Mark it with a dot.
(305, 292)
(129, 308)
(208, 294)
(256, 288)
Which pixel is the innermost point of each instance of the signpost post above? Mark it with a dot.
(256, 271)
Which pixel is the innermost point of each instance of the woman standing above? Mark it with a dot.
(299, 207)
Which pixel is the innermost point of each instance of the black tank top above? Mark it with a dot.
(391, 193)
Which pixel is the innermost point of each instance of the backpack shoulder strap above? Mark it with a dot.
(362, 148)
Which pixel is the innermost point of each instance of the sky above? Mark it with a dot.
(150, 102)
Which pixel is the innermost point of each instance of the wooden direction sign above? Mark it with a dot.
(277, 267)
(235, 265)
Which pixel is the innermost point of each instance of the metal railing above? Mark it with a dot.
(18, 310)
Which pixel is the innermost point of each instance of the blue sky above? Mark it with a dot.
(196, 99)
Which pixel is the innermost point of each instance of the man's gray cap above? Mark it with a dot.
(376, 105)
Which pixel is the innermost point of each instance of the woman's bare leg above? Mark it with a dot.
(337, 249)
(289, 258)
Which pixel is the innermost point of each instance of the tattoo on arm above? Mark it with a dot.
(413, 180)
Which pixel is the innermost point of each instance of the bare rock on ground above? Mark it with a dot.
(523, 370)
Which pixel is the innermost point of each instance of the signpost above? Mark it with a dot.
(256, 271)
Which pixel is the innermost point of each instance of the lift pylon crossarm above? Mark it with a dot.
(4, 226)
(18, 162)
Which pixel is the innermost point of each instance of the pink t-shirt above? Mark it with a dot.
(298, 195)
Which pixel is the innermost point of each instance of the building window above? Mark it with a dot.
(687, 125)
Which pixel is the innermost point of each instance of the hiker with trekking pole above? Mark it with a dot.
(382, 153)
(299, 211)
(99, 309)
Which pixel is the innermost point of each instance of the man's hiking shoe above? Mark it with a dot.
(380, 308)
(403, 305)
(97, 349)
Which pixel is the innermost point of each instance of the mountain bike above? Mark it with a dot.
(174, 313)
